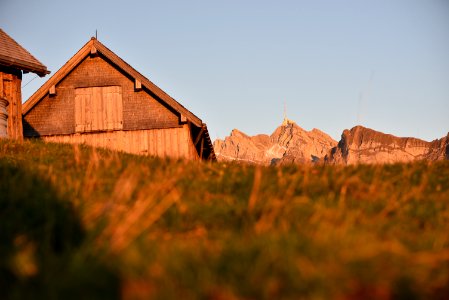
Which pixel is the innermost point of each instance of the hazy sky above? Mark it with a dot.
(383, 64)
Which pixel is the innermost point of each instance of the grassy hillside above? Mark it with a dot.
(76, 222)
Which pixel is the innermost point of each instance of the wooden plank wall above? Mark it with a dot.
(171, 142)
(10, 88)
(3, 117)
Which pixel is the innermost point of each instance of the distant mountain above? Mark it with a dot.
(289, 143)
(364, 145)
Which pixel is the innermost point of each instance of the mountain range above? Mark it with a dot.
(291, 144)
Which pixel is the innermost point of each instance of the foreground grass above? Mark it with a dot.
(76, 222)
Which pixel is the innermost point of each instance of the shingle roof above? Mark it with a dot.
(14, 55)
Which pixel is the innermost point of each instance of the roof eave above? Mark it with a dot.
(40, 70)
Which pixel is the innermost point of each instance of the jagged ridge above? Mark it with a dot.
(289, 143)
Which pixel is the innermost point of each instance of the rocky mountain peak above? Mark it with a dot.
(289, 143)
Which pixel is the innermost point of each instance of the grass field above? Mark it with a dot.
(80, 223)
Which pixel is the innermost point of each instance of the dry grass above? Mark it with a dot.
(176, 229)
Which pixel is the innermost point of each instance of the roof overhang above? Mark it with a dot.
(24, 66)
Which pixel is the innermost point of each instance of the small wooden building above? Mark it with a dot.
(98, 99)
(14, 60)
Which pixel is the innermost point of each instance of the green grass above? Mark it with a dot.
(76, 222)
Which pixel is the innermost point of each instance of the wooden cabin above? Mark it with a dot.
(97, 99)
(14, 59)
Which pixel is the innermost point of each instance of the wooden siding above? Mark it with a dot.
(10, 89)
(3, 118)
(171, 142)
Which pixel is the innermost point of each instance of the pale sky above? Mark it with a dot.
(383, 64)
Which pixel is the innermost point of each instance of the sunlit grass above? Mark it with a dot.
(177, 229)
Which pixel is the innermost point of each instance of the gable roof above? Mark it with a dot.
(95, 46)
(14, 55)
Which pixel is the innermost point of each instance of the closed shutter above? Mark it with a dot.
(113, 108)
(82, 114)
(98, 109)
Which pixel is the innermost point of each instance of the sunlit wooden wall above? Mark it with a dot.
(169, 142)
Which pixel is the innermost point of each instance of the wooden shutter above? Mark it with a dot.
(82, 112)
(98, 108)
(96, 116)
(113, 112)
